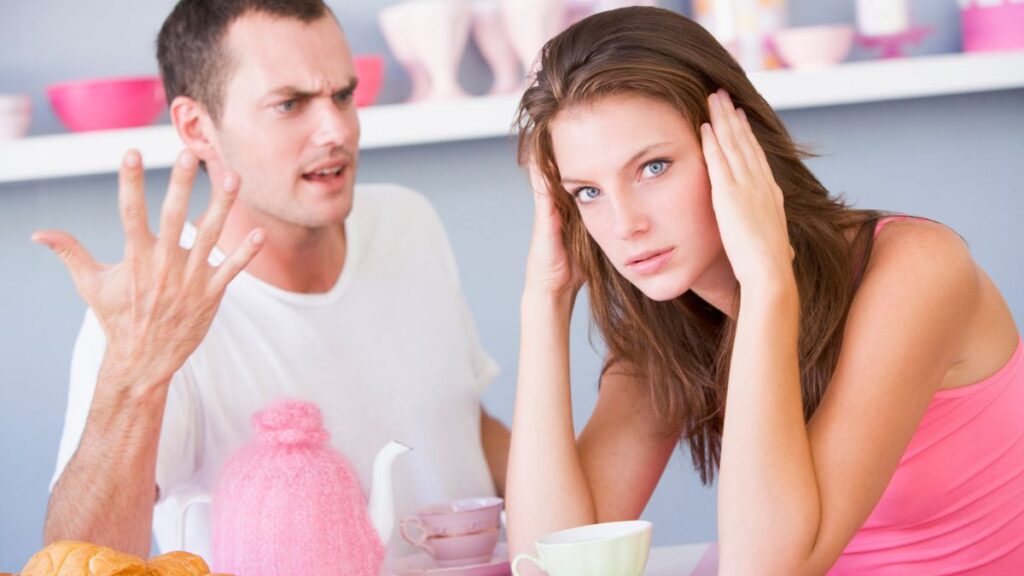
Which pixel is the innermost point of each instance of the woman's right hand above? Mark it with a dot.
(549, 271)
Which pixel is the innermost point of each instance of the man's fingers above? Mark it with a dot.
(238, 260)
(175, 207)
(221, 199)
(82, 266)
(131, 200)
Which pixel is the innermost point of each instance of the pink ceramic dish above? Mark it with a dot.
(421, 564)
(370, 71)
(814, 46)
(107, 103)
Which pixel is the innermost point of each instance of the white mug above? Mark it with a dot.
(607, 549)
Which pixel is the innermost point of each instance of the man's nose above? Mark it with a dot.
(335, 126)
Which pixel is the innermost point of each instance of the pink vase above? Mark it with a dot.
(530, 24)
(496, 48)
(288, 504)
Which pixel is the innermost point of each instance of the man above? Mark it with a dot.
(349, 299)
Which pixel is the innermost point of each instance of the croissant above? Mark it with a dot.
(70, 558)
(177, 564)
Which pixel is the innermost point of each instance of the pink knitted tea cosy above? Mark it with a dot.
(288, 504)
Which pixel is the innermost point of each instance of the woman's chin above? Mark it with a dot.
(661, 289)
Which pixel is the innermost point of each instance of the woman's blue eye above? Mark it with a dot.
(656, 167)
(587, 194)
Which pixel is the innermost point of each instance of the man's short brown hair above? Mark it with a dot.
(194, 60)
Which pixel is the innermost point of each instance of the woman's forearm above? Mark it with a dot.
(546, 488)
(768, 496)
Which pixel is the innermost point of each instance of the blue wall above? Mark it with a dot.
(955, 159)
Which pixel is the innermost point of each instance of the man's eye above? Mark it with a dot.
(343, 97)
(587, 194)
(287, 105)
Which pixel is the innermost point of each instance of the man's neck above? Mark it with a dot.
(294, 258)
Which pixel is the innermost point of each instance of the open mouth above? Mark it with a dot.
(326, 175)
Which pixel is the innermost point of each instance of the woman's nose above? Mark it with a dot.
(629, 219)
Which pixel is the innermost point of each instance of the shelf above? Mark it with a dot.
(385, 126)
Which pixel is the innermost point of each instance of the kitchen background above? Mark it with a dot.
(957, 159)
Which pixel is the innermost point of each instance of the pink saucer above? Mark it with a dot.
(421, 564)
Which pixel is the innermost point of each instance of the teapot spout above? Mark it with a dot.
(382, 494)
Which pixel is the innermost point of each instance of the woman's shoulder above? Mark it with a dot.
(922, 253)
(920, 278)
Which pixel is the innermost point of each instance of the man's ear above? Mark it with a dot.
(195, 127)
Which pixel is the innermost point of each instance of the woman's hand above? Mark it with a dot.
(746, 199)
(549, 271)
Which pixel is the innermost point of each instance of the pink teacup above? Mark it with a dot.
(461, 550)
(454, 518)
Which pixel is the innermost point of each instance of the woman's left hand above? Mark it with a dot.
(745, 197)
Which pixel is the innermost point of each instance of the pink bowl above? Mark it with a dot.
(370, 71)
(814, 46)
(107, 103)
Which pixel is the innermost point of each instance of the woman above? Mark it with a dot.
(875, 376)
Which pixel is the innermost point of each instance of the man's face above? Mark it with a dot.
(289, 124)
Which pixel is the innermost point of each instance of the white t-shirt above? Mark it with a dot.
(389, 353)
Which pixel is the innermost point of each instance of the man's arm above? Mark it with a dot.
(106, 493)
(496, 439)
(155, 307)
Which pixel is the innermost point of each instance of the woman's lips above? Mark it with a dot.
(651, 264)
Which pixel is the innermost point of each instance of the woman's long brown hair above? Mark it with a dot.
(681, 347)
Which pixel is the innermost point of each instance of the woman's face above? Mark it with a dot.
(637, 174)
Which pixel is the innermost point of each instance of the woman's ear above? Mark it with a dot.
(195, 127)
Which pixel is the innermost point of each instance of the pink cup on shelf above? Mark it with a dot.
(992, 26)
(15, 115)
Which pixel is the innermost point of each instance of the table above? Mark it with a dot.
(678, 560)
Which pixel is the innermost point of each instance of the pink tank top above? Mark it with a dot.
(955, 504)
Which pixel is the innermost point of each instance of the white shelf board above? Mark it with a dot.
(79, 154)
